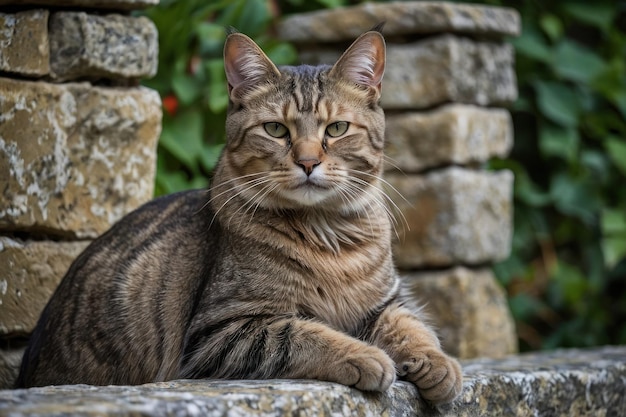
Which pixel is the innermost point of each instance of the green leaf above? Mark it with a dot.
(597, 163)
(210, 155)
(558, 102)
(574, 62)
(552, 26)
(613, 221)
(594, 13)
(560, 142)
(614, 248)
(573, 197)
(619, 99)
(218, 86)
(282, 54)
(616, 148)
(186, 87)
(532, 45)
(211, 37)
(172, 182)
(182, 137)
(331, 4)
(571, 285)
(528, 192)
(524, 306)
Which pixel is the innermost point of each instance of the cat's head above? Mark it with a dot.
(304, 136)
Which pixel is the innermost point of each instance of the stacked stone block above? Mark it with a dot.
(449, 70)
(77, 143)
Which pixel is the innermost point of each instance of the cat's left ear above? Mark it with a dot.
(246, 65)
(363, 63)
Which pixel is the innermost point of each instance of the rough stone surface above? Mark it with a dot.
(439, 70)
(74, 158)
(401, 18)
(24, 43)
(454, 134)
(96, 4)
(453, 216)
(29, 273)
(572, 383)
(10, 361)
(111, 46)
(469, 309)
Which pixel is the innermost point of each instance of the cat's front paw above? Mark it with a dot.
(438, 377)
(369, 369)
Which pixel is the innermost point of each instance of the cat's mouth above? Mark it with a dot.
(308, 192)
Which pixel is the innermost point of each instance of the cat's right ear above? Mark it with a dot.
(246, 65)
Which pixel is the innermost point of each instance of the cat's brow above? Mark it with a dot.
(307, 88)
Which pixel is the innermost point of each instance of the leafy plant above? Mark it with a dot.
(566, 274)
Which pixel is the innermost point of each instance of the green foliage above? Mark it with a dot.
(566, 275)
(192, 83)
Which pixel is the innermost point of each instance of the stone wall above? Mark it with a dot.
(449, 69)
(77, 143)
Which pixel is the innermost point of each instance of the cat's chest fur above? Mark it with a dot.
(317, 274)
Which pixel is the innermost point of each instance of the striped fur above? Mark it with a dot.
(283, 269)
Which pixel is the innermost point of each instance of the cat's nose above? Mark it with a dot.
(308, 165)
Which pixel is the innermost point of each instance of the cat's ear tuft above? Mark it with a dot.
(363, 63)
(246, 65)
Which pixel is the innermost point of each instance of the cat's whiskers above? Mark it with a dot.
(350, 195)
(391, 161)
(255, 201)
(270, 189)
(379, 198)
(216, 186)
(384, 194)
(248, 186)
(375, 199)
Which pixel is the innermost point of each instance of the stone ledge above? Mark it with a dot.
(562, 383)
(401, 18)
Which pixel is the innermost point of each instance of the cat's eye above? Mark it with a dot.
(276, 130)
(336, 129)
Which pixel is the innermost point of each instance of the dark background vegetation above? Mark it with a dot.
(566, 276)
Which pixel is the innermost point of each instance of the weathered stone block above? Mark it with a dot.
(24, 43)
(573, 383)
(438, 70)
(453, 216)
(96, 4)
(29, 273)
(453, 134)
(401, 18)
(111, 46)
(74, 158)
(468, 308)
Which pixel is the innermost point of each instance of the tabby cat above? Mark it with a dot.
(282, 270)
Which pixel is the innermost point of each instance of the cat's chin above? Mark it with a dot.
(307, 195)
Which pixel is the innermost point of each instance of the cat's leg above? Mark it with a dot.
(285, 347)
(415, 349)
